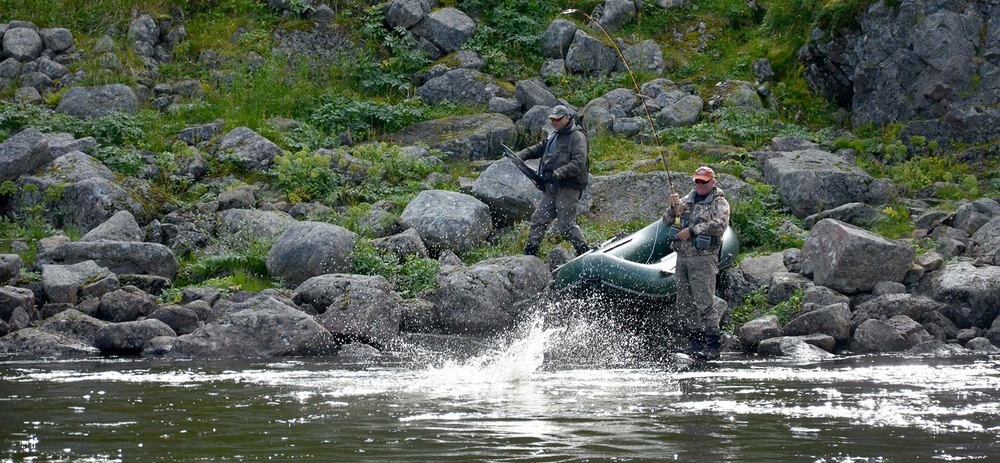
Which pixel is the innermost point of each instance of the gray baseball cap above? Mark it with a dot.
(558, 112)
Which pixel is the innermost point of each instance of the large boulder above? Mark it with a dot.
(794, 347)
(308, 249)
(833, 320)
(75, 325)
(961, 284)
(459, 86)
(476, 136)
(125, 305)
(969, 217)
(994, 332)
(180, 319)
(405, 13)
(254, 223)
(645, 56)
(810, 181)
(23, 153)
(509, 194)
(130, 337)
(13, 298)
(118, 256)
(447, 28)
(10, 267)
(35, 343)
(448, 220)
(850, 259)
(886, 306)
(57, 39)
(483, 298)
(62, 283)
(877, 336)
(403, 245)
(757, 330)
(683, 112)
(588, 55)
(354, 307)
(533, 92)
(557, 38)
(615, 14)
(860, 214)
(760, 269)
(120, 227)
(249, 149)
(22, 44)
(631, 196)
(987, 239)
(260, 327)
(92, 102)
(913, 333)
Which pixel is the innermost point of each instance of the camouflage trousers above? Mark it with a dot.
(562, 205)
(696, 309)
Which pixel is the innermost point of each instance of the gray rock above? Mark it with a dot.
(35, 343)
(534, 124)
(507, 106)
(448, 220)
(63, 143)
(587, 55)
(597, 116)
(553, 68)
(936, 349)
(888, 287)
(970, 217)
(240, 198)
(793, 347)
(105, 44)
(180, 319)
(250, 149)
(911, 331)
(930, 261)
(10, 267)
(19, 320)
(811, 181)
(406, 13)
(34, 79)
(508, 193)
(632, 196)
(62, 283)
(75, 325)
(994, 332)
(105, 284)
(57, 39)
(92, 102)
(987, 239)
(23, 153)
(833, 320)
(202, 132)
(27, 95)
(762, 70)
(459, 86)
(51, 68)
(418, 316)
(644, 56)
(361, 308)
(159, 346)
(126, 304)
(839, 256)
(981, 345)
(255, 223)
(482, 298)
(738, 93)
(260, 327)
(757, 330)
(683, 112)
(760, 268)
(815, 297)
(402, 245)
(143, 34)
(967, 334)
(14, 299)
(961, 284)
(308, 249)
(130, 337)
(10, 68)
(533, 92)
(877, 336)
(117, 256)
(120, 227)
(476, 136)
(22, 44)
(614, 14)
(859, 214)
(784, 285)
(557, 38)
(447, 28)
(884, 307)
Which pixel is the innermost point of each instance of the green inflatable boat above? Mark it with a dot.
(640, 265)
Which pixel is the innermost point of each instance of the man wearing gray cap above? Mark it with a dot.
(563, 168)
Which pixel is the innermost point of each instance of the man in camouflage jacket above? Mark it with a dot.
(703, 217)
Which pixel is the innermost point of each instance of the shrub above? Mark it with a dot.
(364, 119)
(122, 160)
(755, 305)
(759, 222)
(116, 129)
(304, 176)
(414, 276)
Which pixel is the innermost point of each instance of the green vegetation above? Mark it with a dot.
(756, 305)
(896, 222)
(760, 222)
(242, 265)
(412, 277)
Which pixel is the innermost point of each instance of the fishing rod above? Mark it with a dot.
(638, 91)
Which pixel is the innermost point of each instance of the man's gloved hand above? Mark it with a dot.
(548, 177)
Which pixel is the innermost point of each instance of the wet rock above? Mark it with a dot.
(159, 346)
(877, 336)
(34, 342)
(839, 256)
(936, 349)
(260, 327)
(981, 345)
(448, 220)
(833, 320)
(793, 347)
(402, 245)
(126, 304)
(75, 325)
(757, 330)
(810, 181)
(448, 28)
(118, 256)
(120, 227)
(557, 38)
(180, 319)
(963, 284)
(93, 102)
(308, 249)
(130, 337)
(482, 298)
(23, 153)
(476, 136)
(250, 149)
(358, 352)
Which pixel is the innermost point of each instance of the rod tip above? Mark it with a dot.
(570, 11)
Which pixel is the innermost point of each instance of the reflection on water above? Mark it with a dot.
(517, 402)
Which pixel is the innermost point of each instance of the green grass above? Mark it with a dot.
(756, 305)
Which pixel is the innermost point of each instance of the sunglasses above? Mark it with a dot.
(701, 182)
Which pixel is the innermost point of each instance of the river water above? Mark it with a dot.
(540, 394)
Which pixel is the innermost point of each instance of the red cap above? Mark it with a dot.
(704, 173)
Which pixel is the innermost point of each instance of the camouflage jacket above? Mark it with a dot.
(710, 216)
